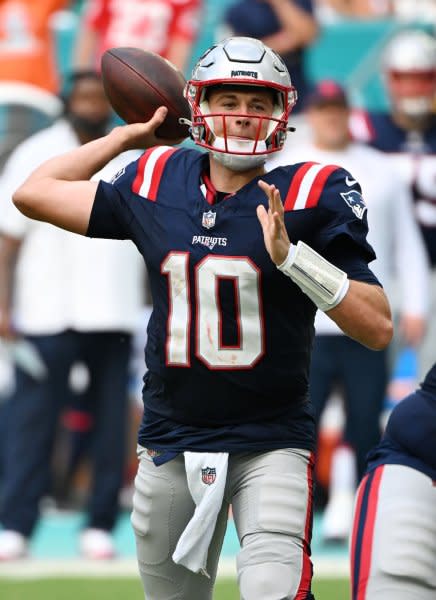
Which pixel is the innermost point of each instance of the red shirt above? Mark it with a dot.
(148, 24)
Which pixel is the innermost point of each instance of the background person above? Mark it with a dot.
(167, 27)
(393, 545)
(407, 134)
(286, 26)
(74, 301)
(28, 58)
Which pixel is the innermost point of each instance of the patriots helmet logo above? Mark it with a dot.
(208, 219)
(208, 475)
(355, 202)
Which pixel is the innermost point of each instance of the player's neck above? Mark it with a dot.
(225, 180)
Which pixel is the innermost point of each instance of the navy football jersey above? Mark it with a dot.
(414, 155)
(230, 336)
(410, 435)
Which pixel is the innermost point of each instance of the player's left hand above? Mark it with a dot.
(273, 224)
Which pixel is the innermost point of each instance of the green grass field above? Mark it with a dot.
(130, 589)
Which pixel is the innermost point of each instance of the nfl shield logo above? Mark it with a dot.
(208, 475)
(208, 220)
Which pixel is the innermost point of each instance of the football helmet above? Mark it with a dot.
(240, 61)
(409, 65)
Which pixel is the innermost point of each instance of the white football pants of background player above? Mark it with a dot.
(393, 544)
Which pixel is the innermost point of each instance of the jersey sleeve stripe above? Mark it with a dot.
(292, 194)
(318, 185)
(137, 182)
(157, 173)
(307, 185)
(150, 171)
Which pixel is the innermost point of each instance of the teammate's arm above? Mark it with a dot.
(363, 310)
(59, 191)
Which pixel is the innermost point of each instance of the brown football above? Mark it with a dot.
(137, 82)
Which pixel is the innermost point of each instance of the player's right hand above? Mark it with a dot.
(143, 135)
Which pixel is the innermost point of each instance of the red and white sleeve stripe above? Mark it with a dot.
(307, 185)
(150, 169)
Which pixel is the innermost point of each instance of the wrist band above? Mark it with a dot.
(325, 284)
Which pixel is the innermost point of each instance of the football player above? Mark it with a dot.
(227, 418)
(407, 132)
(393, 545)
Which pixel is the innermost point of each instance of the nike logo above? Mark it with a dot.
(350, 181)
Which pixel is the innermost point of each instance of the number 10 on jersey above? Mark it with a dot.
(208, 320)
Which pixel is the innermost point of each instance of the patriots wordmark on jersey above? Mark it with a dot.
(230, 336)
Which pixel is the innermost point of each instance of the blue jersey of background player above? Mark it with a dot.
(227, 419)
(407, 131)
(410, 435)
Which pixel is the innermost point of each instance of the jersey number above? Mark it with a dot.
(208, 320)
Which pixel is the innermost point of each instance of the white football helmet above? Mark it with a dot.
(247, 62)
(411, 53)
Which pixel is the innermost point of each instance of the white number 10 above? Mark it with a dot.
(208, 320)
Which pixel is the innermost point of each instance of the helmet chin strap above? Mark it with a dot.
(239, 162)
(236, 162)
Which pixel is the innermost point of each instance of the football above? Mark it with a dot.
(137, 82)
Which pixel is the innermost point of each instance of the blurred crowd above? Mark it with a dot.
(73, 312)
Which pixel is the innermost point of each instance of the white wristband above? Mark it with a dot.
(325, 284)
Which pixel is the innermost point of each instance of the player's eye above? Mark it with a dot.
(258, 108)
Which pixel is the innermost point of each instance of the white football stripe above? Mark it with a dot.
(306, 185)
(149, 169)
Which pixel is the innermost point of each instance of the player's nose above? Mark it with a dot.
(243, 120)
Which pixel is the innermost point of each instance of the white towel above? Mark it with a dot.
(206, 473)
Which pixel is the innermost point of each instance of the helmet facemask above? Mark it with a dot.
(417, 99)
(409, 65)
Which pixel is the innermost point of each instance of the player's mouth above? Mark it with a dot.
(242, 138)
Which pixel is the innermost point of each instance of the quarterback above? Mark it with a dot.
(239, 262)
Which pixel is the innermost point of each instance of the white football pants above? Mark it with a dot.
(271, 498)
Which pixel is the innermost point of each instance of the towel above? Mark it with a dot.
(206, 473)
